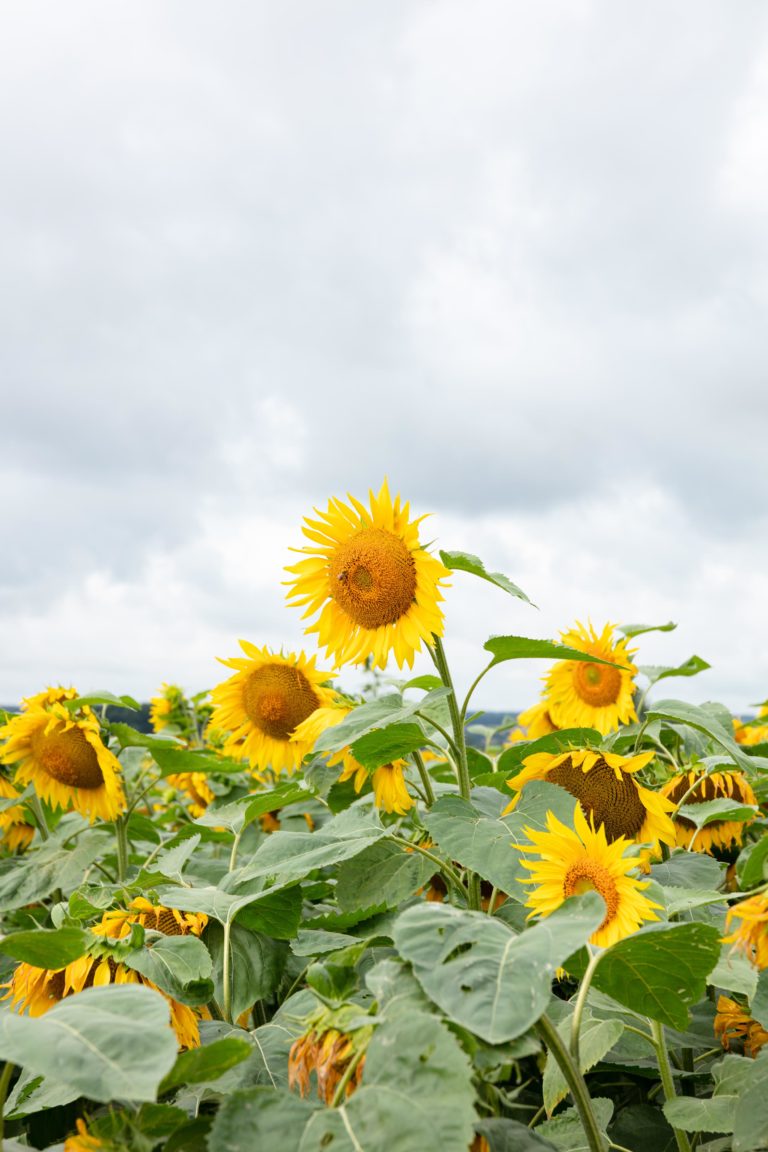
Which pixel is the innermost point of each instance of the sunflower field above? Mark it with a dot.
(290, 918)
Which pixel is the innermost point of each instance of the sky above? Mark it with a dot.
(511, 256)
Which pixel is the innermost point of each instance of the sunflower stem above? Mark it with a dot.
(226, 974)
(449, 872)
(425, 780)
(121, 837)
(460, 740)
(667, 1081)
(5, 1080)
(349, 1072)
(474, 685)
(37, 808)
(581, 1003)
(574, 1080)
(233, 853)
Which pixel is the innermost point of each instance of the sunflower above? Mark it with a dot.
(607, 792)
(333, 1049)
(751, 934)
(734, 1025)
(83, 1141)
(533, 723)
(580, 694)
(389, 788)
(16, 831)
(195, 786)
(749, 733)
(376, 588)
(161, 707)
(62, 754)
(713, 786)
(263, 704)
(583, 861)
(35, 990)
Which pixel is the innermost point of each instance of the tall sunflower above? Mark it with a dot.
(607, 792)
(580, 694)
(376, 589)
(573, 862)
(62, 754)
(263, 704)
(35, 990)
(712, 786)
(750, 935)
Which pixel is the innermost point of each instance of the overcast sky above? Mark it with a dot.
(253, 255)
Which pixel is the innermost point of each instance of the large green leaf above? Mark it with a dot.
(171, 760)
(417, 1093)
(566, 1130)
(256, 1118)
(512, 758)
(466, 562)
(484, 976)
(257, 964)
(226, 907)
(702, 720)
(208, 1063)
(504, 1135)
(45, 948)
(178, 965)
(110, 1043)
(384, 745)
(631, 630)
(660, 970)
(690, 667)
(692, 1115)
(382, 876)
(713, 811)
(524, 648)
(750, 1129)
(596, 1038)
(293, 855)
(50, 866)
(486, 843)
(292, 792)
(377, 714)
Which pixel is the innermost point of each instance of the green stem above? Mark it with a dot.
(574, 1080)
(226, 975)
(474, 685)
(443, 733)
(425, 780)
(5, 1080)
(349, 1072)
(449, 872)
(667, 1080)
(121, 836)
(438, 655)
(37, 808)
(233, 853)
(581, 1001)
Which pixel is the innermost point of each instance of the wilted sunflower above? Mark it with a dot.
(376, 588)
(263, 704)
(35, 990)
(734, 1025)
(713, 786)
(15, 830)
(331, 1049)
(607, 792)
(573, 862)
(580, 694)
(751, 934)
(62, 754)
(533, 723)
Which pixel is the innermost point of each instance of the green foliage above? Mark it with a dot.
(466, 562)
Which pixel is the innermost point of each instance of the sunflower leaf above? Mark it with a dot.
(484, 976)
(383, 875)
(632, 630)
(181, 966)
(524, 648)
(109, 1043)
(384, 745)
(200, 1065)
(710, 811)
(690, 667)
(466, 562)
(381, 713)
(93, 699)
(702, 720)
(660, 970)
(44, 948)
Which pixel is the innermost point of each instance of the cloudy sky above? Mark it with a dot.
(512, 255)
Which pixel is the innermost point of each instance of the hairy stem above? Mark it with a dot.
(581, 1001)
(667, 1080)
(425, 780)
(574, 1080)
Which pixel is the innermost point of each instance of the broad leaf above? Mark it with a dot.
(258, 1117)
(596, 1037)
(523, 648)
(702, 720)
(660, 970)
(466, 562)
(377, 714)
(384, 745)
(567, 1132)
(257, 964)
(692, 1115)
(47, 949)
(110, 1043)
(382, 876)
(178, 965)
(293, 792)
(690, 667)
(631, 630)
(484, 976)
(200, 1065)
(28, 880)
(170, 760)
(712, 811)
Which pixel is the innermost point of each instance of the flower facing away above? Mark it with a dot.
(607, 791)
(83, 1140)
(389, 790)
(332, 1050)
(580, 694)
(712, 786)
(533, 723)
(263, 704)
(733, 1026)
(750, 935)
(195, 787)
(62, 754)
(161, 707)
(16, 833)
(748, 734)
(35, 990)
(573, 862)
(376, 589)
